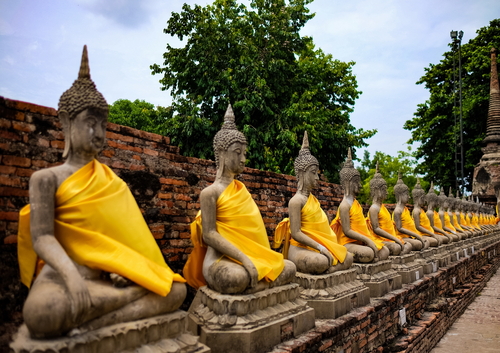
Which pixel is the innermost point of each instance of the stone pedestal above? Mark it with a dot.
(379, 277)
(407, 268)
(250, 323)
(442, 255)
(334, 294)
(164, 333)
(427, 260)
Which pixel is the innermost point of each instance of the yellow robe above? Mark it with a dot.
(239, 222)
(475, 221)
(386, 223)
(462, 219)
(358, 224)
(447, 222)
(468, 220)
(406, 223)
(437, 222)
(456, 224)
(99, 225)
(314, 224)
(425, 222)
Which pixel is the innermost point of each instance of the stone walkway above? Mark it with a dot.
(478, 329)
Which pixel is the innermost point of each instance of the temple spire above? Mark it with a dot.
(493, 122)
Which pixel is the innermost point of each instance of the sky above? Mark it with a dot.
(391, 41)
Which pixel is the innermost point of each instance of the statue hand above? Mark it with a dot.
(324, 251)
(79, 298)
(119, 281)
(252, 272)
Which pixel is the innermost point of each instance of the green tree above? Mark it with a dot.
(278, 83)
(140, 114)
(389, 167)
(434, 123)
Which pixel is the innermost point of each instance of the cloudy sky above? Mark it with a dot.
(391, 41)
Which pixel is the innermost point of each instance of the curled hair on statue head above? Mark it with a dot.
(417, 191)
(348, 171)
(305, 158)
(400, 186)
(227, 135)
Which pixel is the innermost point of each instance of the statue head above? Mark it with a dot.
(82, 100)
(452, 200)
(418, 193)
(349, 176)
(227, 136)
(378, 186)
(401, 191)
(443, 199)
(306, 166)
(431, 197)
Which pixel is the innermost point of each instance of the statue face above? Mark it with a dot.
(404, 197)
(445, 203)
(235, 157)
(88, 131)
(311, 177)
(382, 192)
(355, 185)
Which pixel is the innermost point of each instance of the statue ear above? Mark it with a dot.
(66, 123)
(300, 179)
(222, 159)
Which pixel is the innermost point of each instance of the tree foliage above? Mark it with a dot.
(277, 81)
(389, 167)
(434, 125)
(139, 114)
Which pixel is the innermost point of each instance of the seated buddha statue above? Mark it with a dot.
(379, 219)
(472, 216)
(310, 243)
(403, 222)
(231, 253)
(444, 217)
(84, 248)
(454, 212)
(435, 221)
(350, 224)
(462, 215)
(422, 223)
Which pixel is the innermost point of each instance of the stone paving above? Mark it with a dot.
(478, 329)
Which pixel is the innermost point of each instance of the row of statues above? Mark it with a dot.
(90, 260)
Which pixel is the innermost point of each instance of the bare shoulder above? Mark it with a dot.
(297, 201)
(210, 193)
(43, 178)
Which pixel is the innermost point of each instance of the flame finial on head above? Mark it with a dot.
(348, 171)
(227, 135)
(305, 158)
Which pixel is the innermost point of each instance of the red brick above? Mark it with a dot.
(162, 195)
(5, 124)
(57, 144)
(10, 239)
(9, 216)
(114, 136)
(20, 116)
(5, 146)
(173, 181)
(13, 226)
(34, 108)
(7, 169)
(8, 191)
(108, 153)
(122, 146)
(166, 139)
(21, 126)
(182, 197)
(24, 172)
(150, 152)
(10, 181)
(59, 135)
(118, 165)
(17, 161)
(40, 163)
(136, 167)
(136, 157)
(10, 135)
(43, 142)
(150, 136)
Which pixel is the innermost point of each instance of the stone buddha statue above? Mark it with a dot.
(350, 224)
(232, 254)
(403, 222)
(455, 215)
(379, 218)
(84, 248)
(422, 222)
(435, 222)
(313, 245)
(444, 217)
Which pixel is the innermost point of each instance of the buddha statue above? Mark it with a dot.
(403, 222)
(232, 254)
(310, 243)
(379, 218)
(350, 224)
(422, 223)
(435, 222)
(455, 215)
(84, 248)
(444, 217)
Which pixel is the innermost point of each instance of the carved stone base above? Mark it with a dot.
(164, 333)
(379, 277)
(427, 260)
(334, 294)
(442, 255)
(250, 323)
(407, 268)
